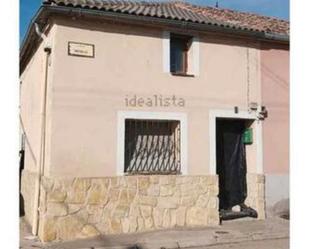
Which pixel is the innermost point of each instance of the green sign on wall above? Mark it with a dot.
(248, 136)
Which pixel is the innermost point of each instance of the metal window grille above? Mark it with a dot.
(152, 146)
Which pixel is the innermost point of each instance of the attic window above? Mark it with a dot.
(179, 50)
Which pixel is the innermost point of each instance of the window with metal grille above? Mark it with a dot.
(152, 146)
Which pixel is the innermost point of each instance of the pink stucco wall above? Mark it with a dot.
(31, 107)
(31, 102)
(275, 96)
(87, 93)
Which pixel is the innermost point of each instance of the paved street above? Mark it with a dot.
(247, 234)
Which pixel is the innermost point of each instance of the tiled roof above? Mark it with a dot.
(180, 10)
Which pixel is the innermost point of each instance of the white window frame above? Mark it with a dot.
(258, 138)
(177, 116)
(166, 51)
(195, 60)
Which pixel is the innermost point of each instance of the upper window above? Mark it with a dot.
(179, 50)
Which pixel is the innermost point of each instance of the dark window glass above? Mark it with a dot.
(178, 54)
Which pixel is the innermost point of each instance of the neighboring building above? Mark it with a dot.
(132, 112)
(275, 96)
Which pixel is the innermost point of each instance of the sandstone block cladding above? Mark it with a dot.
(72, 208)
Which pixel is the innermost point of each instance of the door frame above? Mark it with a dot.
(230, 114)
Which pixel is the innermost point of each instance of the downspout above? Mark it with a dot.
(47, 50)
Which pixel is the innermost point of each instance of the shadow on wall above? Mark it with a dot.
(282, 209)
(21, 205)
(135, 247)
(21, 198)
(126, 29)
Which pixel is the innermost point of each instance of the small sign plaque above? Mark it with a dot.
(81, 49)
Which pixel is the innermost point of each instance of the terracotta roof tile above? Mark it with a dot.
(180, 10)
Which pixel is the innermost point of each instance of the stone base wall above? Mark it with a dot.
(256, 194)
(27, 190)
(87, 207)
(73, 208)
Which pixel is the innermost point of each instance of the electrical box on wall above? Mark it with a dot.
(248, 136)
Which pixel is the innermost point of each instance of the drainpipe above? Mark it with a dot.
(47, 50)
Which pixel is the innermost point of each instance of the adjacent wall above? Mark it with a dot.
(275, 96)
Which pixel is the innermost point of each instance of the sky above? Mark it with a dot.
(275, 8)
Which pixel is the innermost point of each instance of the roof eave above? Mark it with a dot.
(31, 38)
(46, 10)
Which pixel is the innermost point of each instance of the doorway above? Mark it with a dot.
(231, 164)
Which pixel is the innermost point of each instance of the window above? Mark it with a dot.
(152, 146)
(179, 50)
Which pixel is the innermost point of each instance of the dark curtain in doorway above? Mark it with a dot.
(231, 163)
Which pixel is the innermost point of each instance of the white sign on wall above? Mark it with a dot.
(81, 49)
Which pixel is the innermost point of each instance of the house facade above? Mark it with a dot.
(123, 105)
